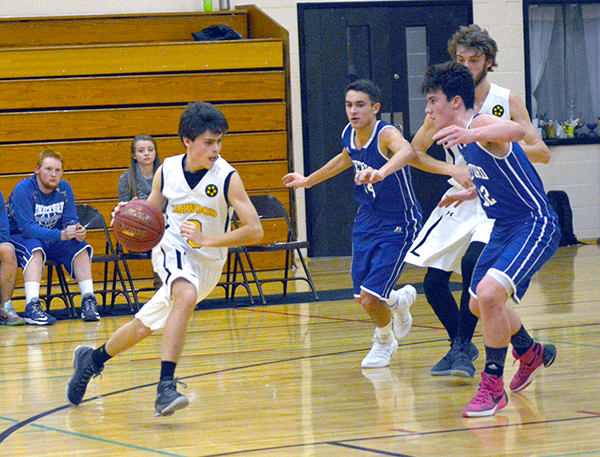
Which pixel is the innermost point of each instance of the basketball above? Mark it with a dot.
(139, 226)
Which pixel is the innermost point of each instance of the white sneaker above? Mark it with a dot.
(381, 353)
(402, 320)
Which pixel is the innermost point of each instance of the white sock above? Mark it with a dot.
(86, 287)
(32, 290)
(7, 304)
(384, 332)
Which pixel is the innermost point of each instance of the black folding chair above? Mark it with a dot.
(268, 207)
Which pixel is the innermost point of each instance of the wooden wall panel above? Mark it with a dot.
(102, 184)
(146, 28)
(237, 147)
(85, 86)
(141, 89)
(120, 122)
(139, 58)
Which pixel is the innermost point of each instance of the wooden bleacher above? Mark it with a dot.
(85, 86)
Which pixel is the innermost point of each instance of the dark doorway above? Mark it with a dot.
(391, 43)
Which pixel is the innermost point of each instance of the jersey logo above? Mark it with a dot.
(199, 225)
(498, 110)
(211, 190)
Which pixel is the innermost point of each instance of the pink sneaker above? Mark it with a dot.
(537, 355)
(490, 397)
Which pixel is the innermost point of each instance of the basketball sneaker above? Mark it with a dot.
(466, 354)
(34, 315)
(8, 315)
(402, 320)
(89, 309)
(381, 352)
(490, 397)
(444, 367)
(168, 400)
(85, 369)
(538, 355)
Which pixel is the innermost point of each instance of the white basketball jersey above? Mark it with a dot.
(497, 104)
(206, 205)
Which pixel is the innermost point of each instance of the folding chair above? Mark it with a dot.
(269, 207)
(65, 294)
(231, 283)
(92, 219)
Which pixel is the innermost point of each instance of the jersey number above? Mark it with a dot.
(485, 196)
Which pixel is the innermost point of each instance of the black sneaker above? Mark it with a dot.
(89, 309)
(168, 400)
(34, 315)
(85, 369)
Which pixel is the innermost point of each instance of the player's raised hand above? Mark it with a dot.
(453, 135)
(457, 198)
(117, 209)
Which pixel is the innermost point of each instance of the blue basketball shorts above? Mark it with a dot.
(515, 253)
(62, 252)
(378, 250)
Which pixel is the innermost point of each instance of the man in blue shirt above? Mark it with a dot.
(44, 225)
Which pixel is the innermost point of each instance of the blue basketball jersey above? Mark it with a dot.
(509, 187)
(394, 196)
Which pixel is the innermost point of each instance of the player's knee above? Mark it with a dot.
(141, 331)
(369, 302)
(7, 253)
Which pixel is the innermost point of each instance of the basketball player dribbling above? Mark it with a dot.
(188, 259)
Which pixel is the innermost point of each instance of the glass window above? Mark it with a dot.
(564, 69)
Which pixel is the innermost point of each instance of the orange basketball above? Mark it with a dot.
(139, 226)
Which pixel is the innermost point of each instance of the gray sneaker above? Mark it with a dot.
(466, 354)
(444, 367)
(8, 315)
(168, 400)
(89, 309)
(85, 369)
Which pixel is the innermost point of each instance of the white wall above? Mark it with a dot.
(575, 169)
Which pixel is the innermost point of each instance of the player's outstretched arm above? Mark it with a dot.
(534, 146)
(332, 168)
(492, 132)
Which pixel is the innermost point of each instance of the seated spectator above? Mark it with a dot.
(8, 271)
(43, 224)
(137, 180)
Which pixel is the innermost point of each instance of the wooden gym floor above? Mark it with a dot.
(285, 380)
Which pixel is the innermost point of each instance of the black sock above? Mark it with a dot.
(468, 321)
(495, 358)
(437, 290)
(100, 356)
(521, 341)
(167, 370)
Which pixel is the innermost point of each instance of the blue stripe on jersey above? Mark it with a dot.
(509, 187)
(392, 197)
